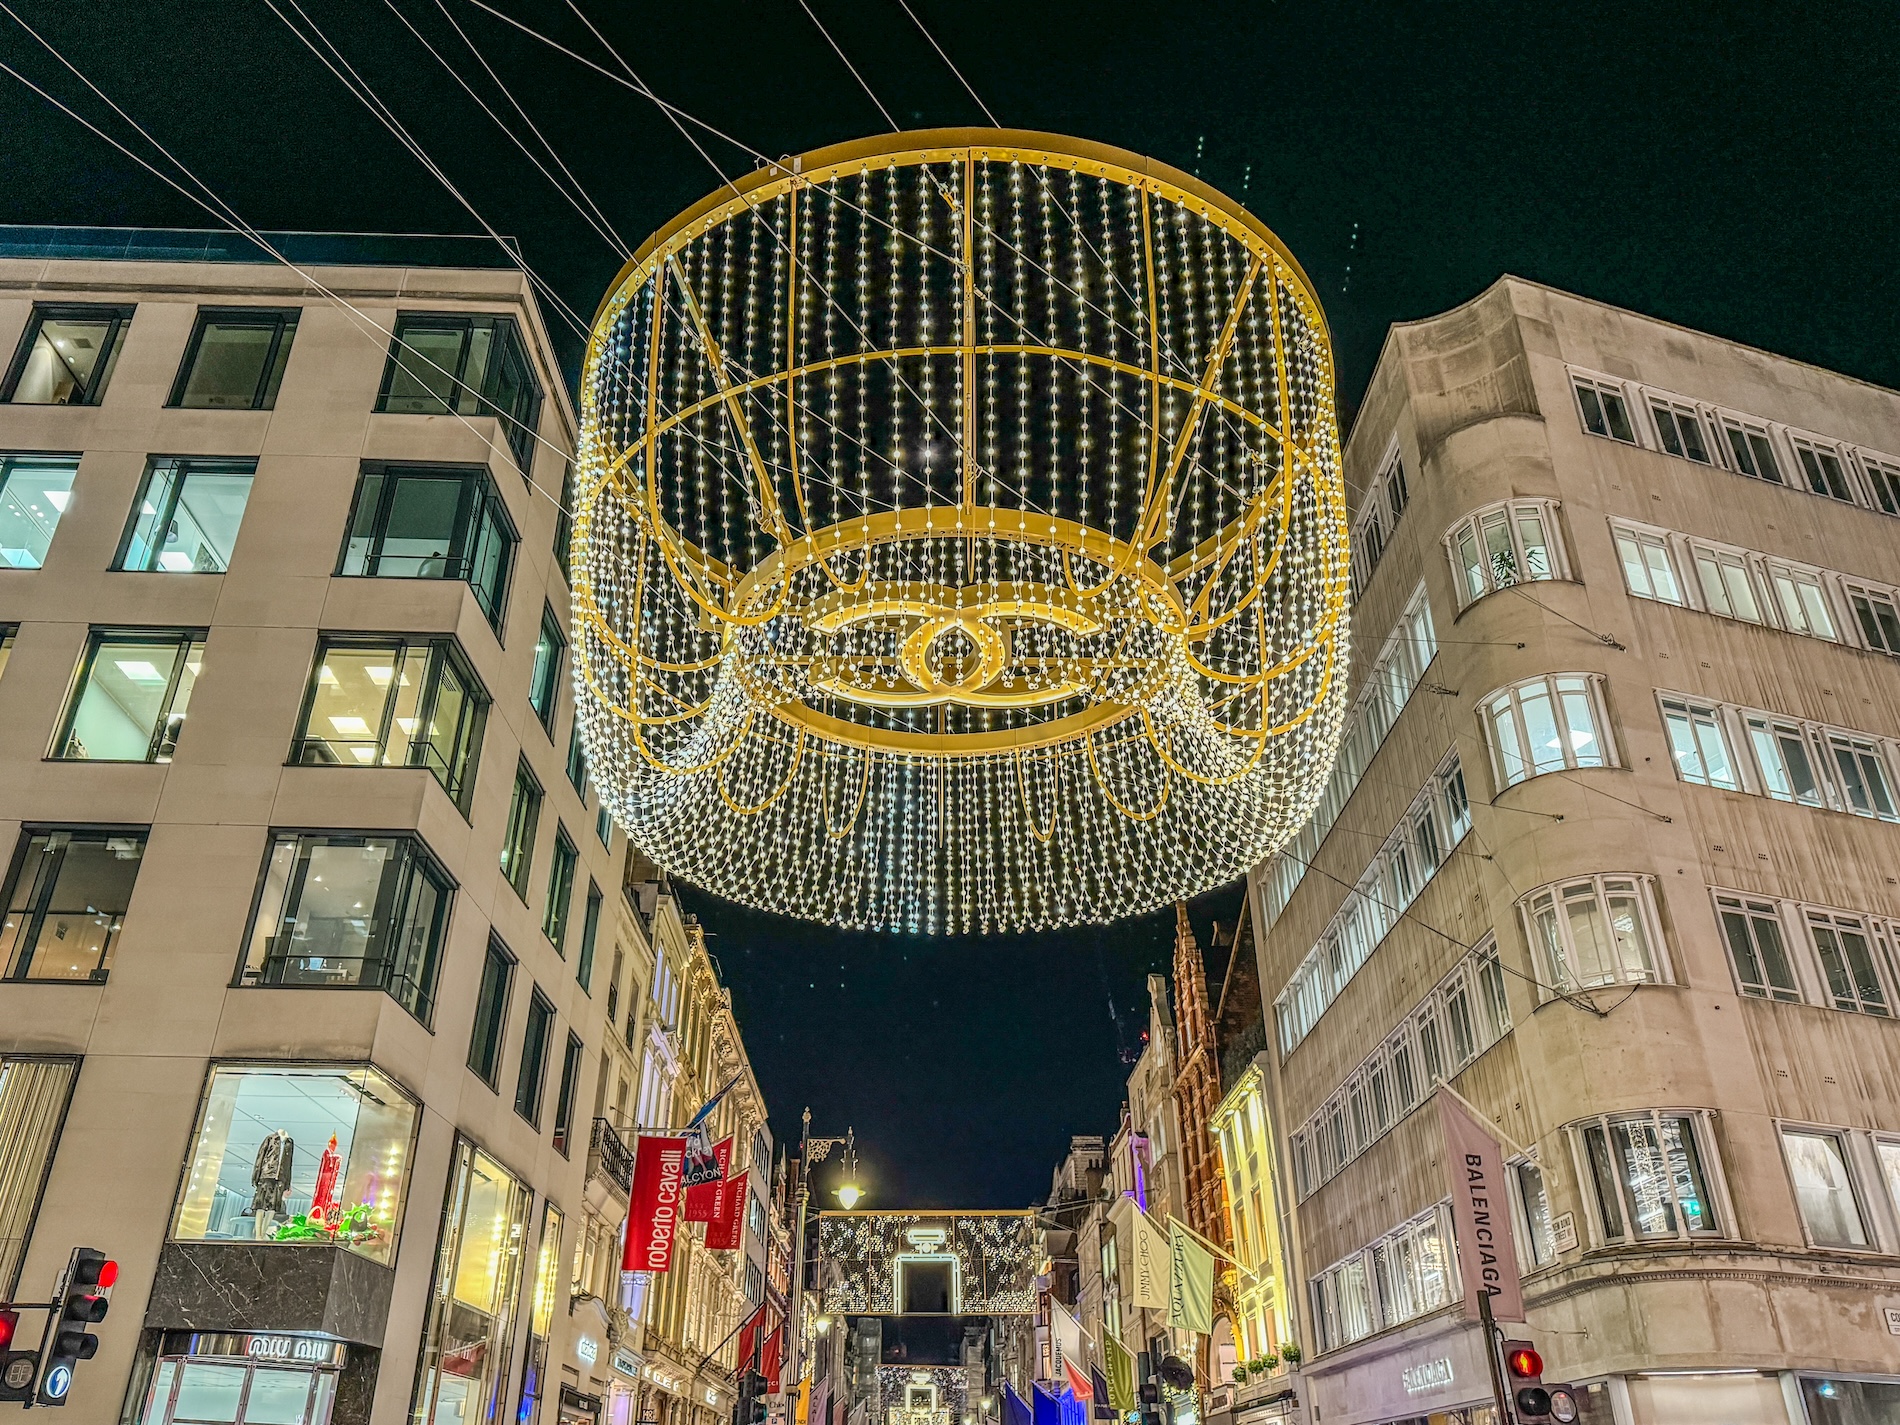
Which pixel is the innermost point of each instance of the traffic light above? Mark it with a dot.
(84, 1298)
(750, 1409)
(1527, 1382)
(17, 1368)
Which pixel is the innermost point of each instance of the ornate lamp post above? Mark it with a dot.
(812, 1150)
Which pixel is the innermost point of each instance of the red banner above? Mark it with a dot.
(705, 1201)
(724, 1231)
(654, 1209)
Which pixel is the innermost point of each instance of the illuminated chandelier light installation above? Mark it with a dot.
(959, 538)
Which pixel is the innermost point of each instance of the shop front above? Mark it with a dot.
(1433, 1373)
(248, 1378)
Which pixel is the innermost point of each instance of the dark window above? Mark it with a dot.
(1824, 472)
(517, 847)
(564, 1101)
(604, 826)
(130, 698)
(1680, 431)
(1604, 412)
(545, 683)
(393, 703)
(576, 760)
(1879, 620)
(471, 366)
(7, 632)
(564, 524)
(432, 522)
(66, 356)
(341, 910)
(186, 517)
(560, 890)
(491, 1012)
(590, 933)
(235, 361)
(530, 1082)
(34, 493)
(1754, 453)
(66, 897)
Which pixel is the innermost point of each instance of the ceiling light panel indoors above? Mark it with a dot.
(959, 537)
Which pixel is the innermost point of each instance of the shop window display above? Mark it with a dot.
(299, 1156)
(465, 1352)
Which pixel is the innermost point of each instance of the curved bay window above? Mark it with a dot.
(1504, 544)
(464, 1361)
(299, 1155)
(1650, 1174)
(341, 910)
(1549, 724)
(1595, 931)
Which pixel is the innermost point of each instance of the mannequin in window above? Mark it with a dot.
(270, 1180)
(323, 1199)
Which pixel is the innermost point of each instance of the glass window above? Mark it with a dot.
(1680, 431)
(432, 522)
(33, 1098)
(1817, 1162)
(1538, 1234)
(603, 818)
(1803, 604)
(1823, 469)
(1864, 779)
(469, 366)
(34, 493)
(554, 916)
(1889, 1154)
(392, 703)
(564, 524)
(1878, 617)
(1753, 451)
(1648, 567)
(66, 898)
(7, 633)
(1699, 743)
(1782, 753)
(491, 1013)
(1884, 479)
(1594, 932)
(466, 1344)
(1727, 587)
(564, 1100)
(1604, 411)
(544, 683)
(186, 517)
(524, 814)
(531, 1077)
(67, 355)
(130, 698)
(299, 1155)
(576, 761)
(1544, 725)
(235, 361)
(1756, 948)
(590, 932)
(1501, 546)
(1847, 962)
(350, 910)
(1647, 1171)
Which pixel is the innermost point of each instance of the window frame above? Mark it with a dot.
(1670, 433)
(1708, 1157)
(184, 466)
(1473, 523)
(480, 499)
(1600, 387)
(1752, 908)
(283, 323)
(496, 954)
(531, 1082)
(1646, 539)
(516, 874)
(1553, 980)
(1698, 713)
(544, 679)
(507, 339)
(595, 908)
(1373, 528)
(569, 1092)
(1812, 455)
(1842, 1138)
(100, 638)
(20, 961)
(1882, 478)
(117, 315)
(563, 866)
(1875, 937)
(12, 460)
(1757, 437)
(1595, 694)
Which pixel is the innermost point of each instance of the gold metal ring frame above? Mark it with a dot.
(959, 540)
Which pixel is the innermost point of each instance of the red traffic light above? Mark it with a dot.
(9, 1320)
(1525, 1362)
(108, 1274)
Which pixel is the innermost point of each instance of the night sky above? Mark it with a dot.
(1730, 167)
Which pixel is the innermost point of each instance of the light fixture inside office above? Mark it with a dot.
(959, 538)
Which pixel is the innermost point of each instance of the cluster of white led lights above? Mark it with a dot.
(959, 540)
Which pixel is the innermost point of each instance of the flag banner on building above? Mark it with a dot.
(703, 1200)
(1047, 1409)
(724, 1231)
(653, 1206)
(749, 1340)
(1075, 1410)
(772, 1354)
(1190, 1282)
(821, 1402)
(1015, 1409)
(1098, 1390)
(702, 1166)
(1071, 1365)
(1480, 1211)
(1150, 1263)
(1121, 1373)
(801, 1412)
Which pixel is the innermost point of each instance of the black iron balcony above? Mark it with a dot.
(609, 1157)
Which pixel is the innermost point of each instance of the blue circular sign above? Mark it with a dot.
(58, 1381)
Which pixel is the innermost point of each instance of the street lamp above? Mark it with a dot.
(849, 1195)
(812, 1150)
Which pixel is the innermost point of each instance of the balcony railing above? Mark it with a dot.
(610, 1157)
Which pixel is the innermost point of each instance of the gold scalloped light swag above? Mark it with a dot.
(959, 538)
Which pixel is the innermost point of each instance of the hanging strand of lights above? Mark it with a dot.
(959, 538)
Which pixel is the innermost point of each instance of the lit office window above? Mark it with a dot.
(1600, 930)
(34, 1093)
(1649, 567)
(1543, 725)
(67, 355)
(1786, 760)
(186, 517)
(1502, 545)
(524, 813)
(34, 493)
(130, 698)
(65, 900)
(432, 522)
(1699, 742)
(235, 360)
(544, 684)
(441, 364)
(1728, 588)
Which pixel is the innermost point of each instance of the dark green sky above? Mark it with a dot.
(1727, 166)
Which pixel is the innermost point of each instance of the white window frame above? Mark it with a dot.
(1603, 885)
(1702, 1128)
(1537, 1253)
(1648, 541)
(1758, 438)
(1387, 495)
(1877, 936)
(1555, 687)
(1753, 908)
(1788, 582)
(1735, 563)
(1843, 1139)
(1669, 414)
(1700, 714)
(1816, 451)
(1884, 635)
(1474, 525)
(1581, 381)
(1383, 1314)
(1882, 477)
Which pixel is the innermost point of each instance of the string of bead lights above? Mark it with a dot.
(959, 538)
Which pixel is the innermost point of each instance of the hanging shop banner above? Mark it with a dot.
(701, 1165)
(704, 1200)
(724, 1231)
(1151, 1263)
(653, 1209)
(1480, 1215)
(749, 1340)
(1121, 1374)
(1190, 1282)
